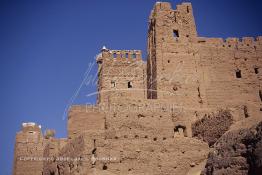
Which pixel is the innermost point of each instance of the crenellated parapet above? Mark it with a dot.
(165, 22)
(31, 126)
(250, 42)
(119, 55)
(30, 132)
(120, 73)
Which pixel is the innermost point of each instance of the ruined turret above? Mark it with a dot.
(29, 150)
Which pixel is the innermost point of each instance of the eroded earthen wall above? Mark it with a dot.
(121, 74)
(197, 72)
(84, 118)
(29, 147)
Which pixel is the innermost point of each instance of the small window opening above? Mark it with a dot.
(113, 84)
(114, 55)
(175, 88)
(175, 33)
(180, 130)
(155, 139)
(246, 112)
(201, 41)
(129, 84)
(71, 166)
(104, 167)
(94, 151)
(187, 9)
(238, 73)
(168, 61)
(58, 170)
(260, 95)
(198, 90)
(133, 55)
(94, 142)
(256, 70)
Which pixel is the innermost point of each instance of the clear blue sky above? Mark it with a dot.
(46, 47)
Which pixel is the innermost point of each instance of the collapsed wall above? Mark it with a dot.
(103, 155)
(212, 126)
(237, 152)
(33, 149)
(29, 145)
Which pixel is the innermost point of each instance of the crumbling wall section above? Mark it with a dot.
(29, 148)
(212, 126)
(237, 152)
(50, 154)
(129, 155)
(233, 72)
(84, 118)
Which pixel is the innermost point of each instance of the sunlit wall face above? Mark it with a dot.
(47, 47)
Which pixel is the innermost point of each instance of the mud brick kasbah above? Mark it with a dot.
(193, 107)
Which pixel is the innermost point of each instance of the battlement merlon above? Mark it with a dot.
(30, 132)
(184, 7)
(31, 126)
(164, 22)
(179, 26)
(232, 42)
(118, 55)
